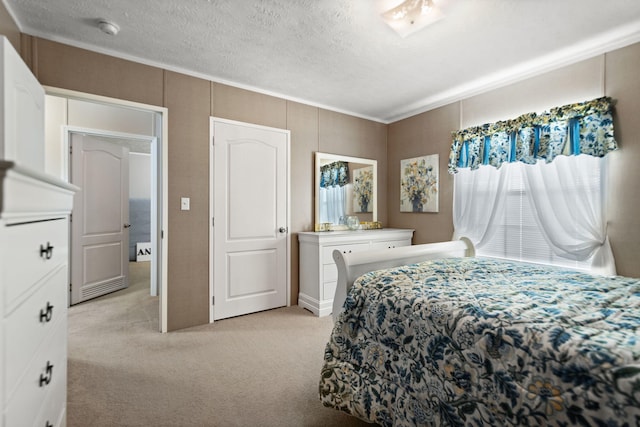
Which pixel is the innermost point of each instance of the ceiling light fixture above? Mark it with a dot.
(412, 15)
(108, 27)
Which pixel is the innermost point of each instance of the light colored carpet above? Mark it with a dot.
(261, 369)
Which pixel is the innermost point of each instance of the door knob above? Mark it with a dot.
(282, 229)
(127, 225)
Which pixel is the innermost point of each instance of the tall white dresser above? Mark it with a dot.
(318, 271)
(34, 257)
(34, 284)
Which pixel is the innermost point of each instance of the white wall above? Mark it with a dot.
(55, 156)
(61, 112)
(107, 117)
(139, 176)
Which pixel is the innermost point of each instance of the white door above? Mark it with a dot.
(250, 170)
(99, 227)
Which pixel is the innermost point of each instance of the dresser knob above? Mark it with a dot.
(45, 378)
(46, 313)
(47, 252)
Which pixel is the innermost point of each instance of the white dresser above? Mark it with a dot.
(318, 272)
(34, 289)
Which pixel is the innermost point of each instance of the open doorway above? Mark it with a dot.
(112, 213)
(68, 112)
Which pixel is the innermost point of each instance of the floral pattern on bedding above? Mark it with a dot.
(481, 342)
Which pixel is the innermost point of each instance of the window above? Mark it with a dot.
(530, 188)
(543, 213)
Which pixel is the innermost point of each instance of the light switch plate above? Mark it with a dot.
(185, 203)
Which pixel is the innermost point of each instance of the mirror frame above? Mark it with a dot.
(320, 157)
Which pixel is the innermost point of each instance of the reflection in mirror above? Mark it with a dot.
(345, 192)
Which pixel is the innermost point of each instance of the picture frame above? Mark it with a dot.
(363, 189)
(419, 184)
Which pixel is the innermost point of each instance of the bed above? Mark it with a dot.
(432, 335)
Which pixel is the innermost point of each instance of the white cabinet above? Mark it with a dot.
(318, 272)
(34, 257)
(21, 111)
(34, 288)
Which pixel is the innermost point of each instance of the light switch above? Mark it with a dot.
(184, 203)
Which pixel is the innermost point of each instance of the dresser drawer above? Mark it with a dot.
(46, 374)
(318, 270)
(54, 408)
(31, 322)
(29, 252)
(390, 244)
(327, 251)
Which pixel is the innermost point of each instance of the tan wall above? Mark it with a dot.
(302, 121)
(421, 135)
(623, 85)
(613, 74)
(352, 136)
(66, 67)
(9, 28)
(575, 83)
(190, 102)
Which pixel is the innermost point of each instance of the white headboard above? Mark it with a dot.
(353, 265)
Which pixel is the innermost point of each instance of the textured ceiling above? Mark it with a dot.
(339, 54)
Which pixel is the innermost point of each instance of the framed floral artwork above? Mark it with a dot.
(419, 178)
(363, 189)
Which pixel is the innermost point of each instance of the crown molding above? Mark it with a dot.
(214, 79)
(618, 38)
(606, 42)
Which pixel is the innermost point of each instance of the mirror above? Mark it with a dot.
(345, 187)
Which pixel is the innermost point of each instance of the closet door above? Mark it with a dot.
(250, 209)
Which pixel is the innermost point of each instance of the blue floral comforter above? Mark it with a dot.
(480, 342)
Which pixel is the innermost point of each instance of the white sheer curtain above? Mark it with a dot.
(478, 203)
(566, 200)
(332, 203)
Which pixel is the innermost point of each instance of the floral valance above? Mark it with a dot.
(582, 128)
(334, 174)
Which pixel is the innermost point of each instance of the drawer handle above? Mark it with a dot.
(346, 252)
(45, 316)
(45, 378)
(47, 252)
(48, 424)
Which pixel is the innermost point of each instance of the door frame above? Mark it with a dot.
(212, 121)
(159, 184)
